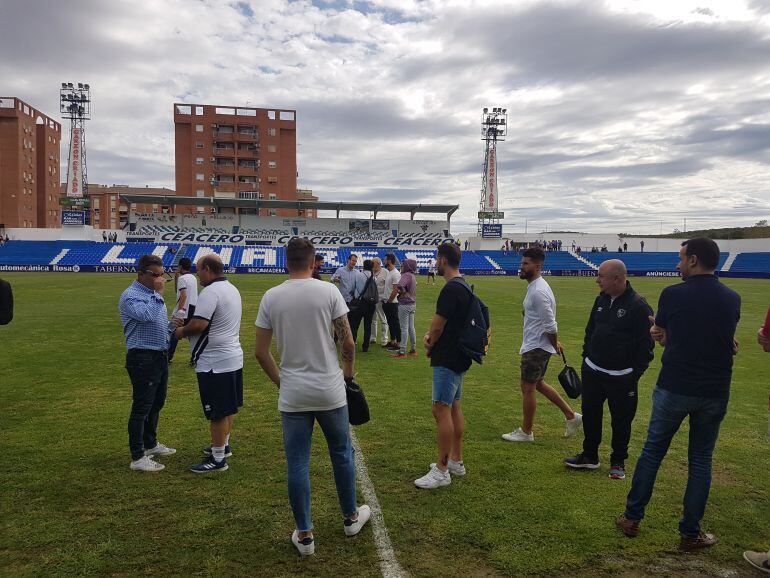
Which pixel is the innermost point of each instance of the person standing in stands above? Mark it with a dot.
(380, 277)
(361, 310)
(695, 323)
(104, 236)
(146, 327)
(406, 290)
(318, 262)
(390, 306)
(538, 344)
(449, 365)
(345, 278)
(617, 350)
(311, 385)
(641, 245)
(216, 350)
(186, 299)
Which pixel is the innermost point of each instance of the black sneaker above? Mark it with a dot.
(581, 462)
(209, 464)
(228, 451)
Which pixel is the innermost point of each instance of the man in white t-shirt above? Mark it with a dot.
(186, 298)
(431, 271)
(390, 306)
(300, 313)
(538, 344)
(216, 350)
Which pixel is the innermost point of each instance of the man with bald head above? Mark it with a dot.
(216, 351)
(617, 350)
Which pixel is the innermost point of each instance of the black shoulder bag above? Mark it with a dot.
(358, 409)
(570, 380)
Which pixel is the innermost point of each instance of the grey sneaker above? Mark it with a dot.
(581, 462)
(160, 450)
(618, 471)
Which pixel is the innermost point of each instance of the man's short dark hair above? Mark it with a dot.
(536, 254)
(706, 250)
(451, 253)
(318, 257)
(299, 254)
(147, 261)
(213, 264)
(185, 263)
(352, 255)
(368, 265)
(390, 258)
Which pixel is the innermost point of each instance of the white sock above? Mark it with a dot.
(218, 453)
(227, 440)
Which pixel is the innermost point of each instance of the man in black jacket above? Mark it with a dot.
(6, 302)
(617, 350)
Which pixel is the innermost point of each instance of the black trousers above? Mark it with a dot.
(148, 370)
(621, 394)
(365, 313)
(173, 341)
(391, 314)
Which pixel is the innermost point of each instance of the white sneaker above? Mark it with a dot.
(353, 528)
(160, 450)
(306, 546)
(146, 464)
(455, 468)
(519, 436)
(435, 478)
(573, 425)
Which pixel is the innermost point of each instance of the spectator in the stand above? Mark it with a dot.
(559, 244)
(380, 277)
(407, 304)
(345, 278)
(6, 302)
(625, 246)
(620, 249)
(390, 307)
(466, 244)
(104, 236)
(573, 246)
(641, 245)
(318, 262)
(359, 309)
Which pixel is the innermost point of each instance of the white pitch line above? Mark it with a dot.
(389, 566)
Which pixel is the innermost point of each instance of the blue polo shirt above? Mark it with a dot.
(145, 319)
(700, 316)
(347, 279)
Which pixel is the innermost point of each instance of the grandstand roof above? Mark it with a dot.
(224, 202)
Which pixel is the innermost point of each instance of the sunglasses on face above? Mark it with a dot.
(153, 273)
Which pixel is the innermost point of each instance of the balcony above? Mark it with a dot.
(223, 151)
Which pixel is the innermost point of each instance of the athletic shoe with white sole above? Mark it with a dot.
(617, 471)
(573, 425)
(519, 436)
(760, 560)
(160, 450)
(354, 527)
(209, 464)
(581, 462)
(228, 451)
(435, 478)
(146, 464)
(306, 546)
(455, 468)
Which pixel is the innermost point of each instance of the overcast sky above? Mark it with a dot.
(624, 116)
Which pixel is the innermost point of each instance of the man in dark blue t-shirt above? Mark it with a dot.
(696, 324)
(449, 366)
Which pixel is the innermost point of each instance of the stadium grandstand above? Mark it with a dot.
(250, 238)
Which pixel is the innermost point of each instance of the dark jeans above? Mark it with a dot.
(391, 314)
(148, 370)
(620, 392)
(357, 313)
(173, 341)
(668, 412)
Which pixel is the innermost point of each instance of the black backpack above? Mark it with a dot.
(369, 295)
(476, 330)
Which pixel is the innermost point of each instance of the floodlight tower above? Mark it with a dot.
(75, 104)
(494, 128)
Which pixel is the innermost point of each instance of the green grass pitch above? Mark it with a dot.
(70, 505)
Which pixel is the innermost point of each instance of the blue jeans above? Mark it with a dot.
(668, 412)
(297, 435)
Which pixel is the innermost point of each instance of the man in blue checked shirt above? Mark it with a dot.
(146, 326)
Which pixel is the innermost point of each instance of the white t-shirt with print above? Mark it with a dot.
(189, 283)
(300, 314)
(539, 317)
(218, 348)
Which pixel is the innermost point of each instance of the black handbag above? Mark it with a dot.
(358, 409)
(570, 380)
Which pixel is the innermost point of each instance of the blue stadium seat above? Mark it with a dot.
(751, 263)
(645, 261)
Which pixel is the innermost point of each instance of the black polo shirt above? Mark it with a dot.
(700, 316)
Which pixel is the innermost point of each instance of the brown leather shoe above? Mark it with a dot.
(703, 540)
(629, 527)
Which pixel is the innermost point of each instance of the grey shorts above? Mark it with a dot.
(534, 364)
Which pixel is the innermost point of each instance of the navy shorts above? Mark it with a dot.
(221, 393)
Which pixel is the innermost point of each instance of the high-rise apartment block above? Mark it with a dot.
(30, 143)
(236, 152)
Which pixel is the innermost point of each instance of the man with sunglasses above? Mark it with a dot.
(145, 325)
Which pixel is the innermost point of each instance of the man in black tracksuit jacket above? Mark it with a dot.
(617, 350)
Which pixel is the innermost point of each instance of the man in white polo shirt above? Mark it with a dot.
(218, 357)
(538, 344)
(186, 298)
(300, 312)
